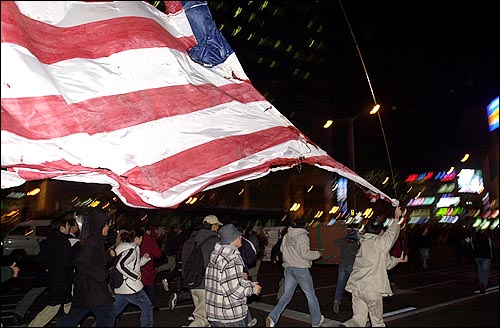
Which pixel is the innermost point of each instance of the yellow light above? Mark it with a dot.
(334, 209)
(310, 188)
(450, 171)
(241, 191)
(33, 192)
(328, 124)
(465, 158)
(375, 109)
(385, 181)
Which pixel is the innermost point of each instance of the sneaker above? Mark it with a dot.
(172, 302)
(482, 289)
(253, 322)
(336, 308)
(164, 282)
(190, 318)
(269, 322)
(320, 321)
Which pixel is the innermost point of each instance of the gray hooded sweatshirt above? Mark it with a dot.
(296, 249)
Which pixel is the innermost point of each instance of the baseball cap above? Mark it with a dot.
(212, 219)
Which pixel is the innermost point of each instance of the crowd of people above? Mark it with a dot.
(75, 263)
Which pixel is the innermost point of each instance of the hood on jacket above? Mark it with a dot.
(93, 224)
(296, 232)
(123, 246)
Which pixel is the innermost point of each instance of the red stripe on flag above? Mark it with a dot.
(51, 117)
(91, 40)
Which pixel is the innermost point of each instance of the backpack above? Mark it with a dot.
(193, 271)
(248, 253)
(115, 276)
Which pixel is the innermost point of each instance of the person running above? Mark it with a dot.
(132, 288)
(368, 282)
(148, 271)
(91, 292)
(349, 246)
(297, 260)
(55, 259)
(208, 237)
(226, 289)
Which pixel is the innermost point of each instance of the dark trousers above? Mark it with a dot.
(104, 314)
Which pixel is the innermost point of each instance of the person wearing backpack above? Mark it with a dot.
(205, 239)
(132, 288)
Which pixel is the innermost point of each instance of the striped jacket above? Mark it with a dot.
(226, 290)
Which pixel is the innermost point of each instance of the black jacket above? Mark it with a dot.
(55, 258)
(91, 282)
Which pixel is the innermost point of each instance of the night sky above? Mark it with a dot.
(433, 67)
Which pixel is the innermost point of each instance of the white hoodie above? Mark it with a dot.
(129, 265)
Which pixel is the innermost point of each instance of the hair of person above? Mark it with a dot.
(374, 227)
(129, 236)
(56, 224)
(300, 223)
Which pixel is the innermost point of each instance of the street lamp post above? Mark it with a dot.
(350, 141)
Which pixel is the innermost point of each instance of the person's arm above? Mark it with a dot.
(396, 260)
(233, 281)
(305, 249)
(387, 240)
(9, 272)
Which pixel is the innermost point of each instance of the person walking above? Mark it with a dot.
(132, 289)
(368, 282)
(91, 292)
(297, 260)
(277, 258)
(482, 250)
(207, 236)
(349, 246)
(148, 272)
(226, 289)
(55, 259)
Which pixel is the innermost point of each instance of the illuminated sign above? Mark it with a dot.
(470, 181)
(492, 112)
(448, 201)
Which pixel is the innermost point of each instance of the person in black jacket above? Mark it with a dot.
(91, 291)
(277, 258)
(482, 249)
(55, 259)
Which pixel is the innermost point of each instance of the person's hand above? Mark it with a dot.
(15, 269)
(112, 252)
(256, 288)
(146, 255)
(403, 258)
(398, 212)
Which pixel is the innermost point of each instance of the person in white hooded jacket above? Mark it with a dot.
(132, 289)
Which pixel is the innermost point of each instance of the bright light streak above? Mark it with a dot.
(375, 109)
(465, 158)
(328, 124)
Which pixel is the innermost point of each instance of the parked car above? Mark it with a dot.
(24, 238)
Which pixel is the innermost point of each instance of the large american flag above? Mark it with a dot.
(154, 104)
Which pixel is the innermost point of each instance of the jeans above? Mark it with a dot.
(140, 299)
(483, 270)
(151, 292)
(105, 316)
(302, 277)
(344, 272)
